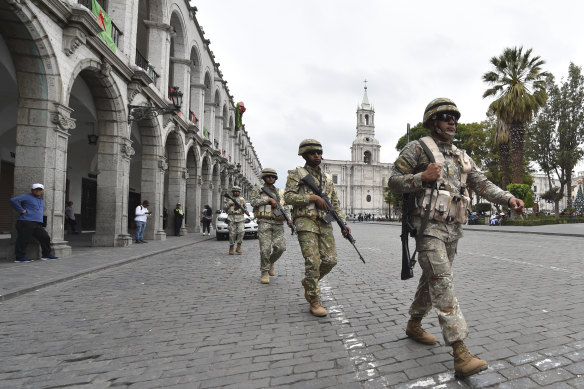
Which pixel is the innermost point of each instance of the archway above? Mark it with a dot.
(193, 193)
(174, 181)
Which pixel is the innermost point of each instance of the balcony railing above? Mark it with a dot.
(142, 62)
(116, 32)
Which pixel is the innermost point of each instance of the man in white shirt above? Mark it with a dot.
(142, 215)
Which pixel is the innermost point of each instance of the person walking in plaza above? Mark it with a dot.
(179, 215)
(206, 219)
(31, 208)
(70, 222)
(235, 219)
(270, 228)
(315, 233)
(436, 172)
(142, 215)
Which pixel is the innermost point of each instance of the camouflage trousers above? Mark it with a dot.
(272, 243)
(320, 256)
(436, 289)
(236, 231)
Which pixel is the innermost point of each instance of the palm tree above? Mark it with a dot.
(502, 143)
(518, 84)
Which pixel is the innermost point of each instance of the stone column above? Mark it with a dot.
(193, 206)
(153, 168)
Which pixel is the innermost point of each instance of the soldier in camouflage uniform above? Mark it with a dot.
(450, 177)
(315, 235)
(270, 228)
(236, 219)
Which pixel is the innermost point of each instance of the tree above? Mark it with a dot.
(502, 144)
(518, 84)
(557, 132)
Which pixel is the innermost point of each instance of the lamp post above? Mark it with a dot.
(140, 112)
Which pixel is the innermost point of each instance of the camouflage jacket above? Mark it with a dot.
(306, 215)
(406, 177)
(261, 207)
(234, 215)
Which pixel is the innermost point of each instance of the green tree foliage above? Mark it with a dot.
(518, 84)
(523, 192)
(558, 131)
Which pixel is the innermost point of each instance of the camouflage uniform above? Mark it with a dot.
(438, 245)
(236, 218)
(270, 227)
(314, 235)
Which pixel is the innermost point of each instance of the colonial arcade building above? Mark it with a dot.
(111, 102)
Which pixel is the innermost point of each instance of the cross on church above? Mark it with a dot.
(365, 81)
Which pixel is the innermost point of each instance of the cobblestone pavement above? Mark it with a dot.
(199, 318)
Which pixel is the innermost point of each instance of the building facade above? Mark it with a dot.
(360, 182)
(72, 74)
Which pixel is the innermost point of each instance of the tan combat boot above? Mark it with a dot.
(238, 249)
(415, 331)
(231, 249)
(265, 278)
(272, 270)
(305, 285)
(316, 307)
(466, 364)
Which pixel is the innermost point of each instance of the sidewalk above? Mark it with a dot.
(20, 278)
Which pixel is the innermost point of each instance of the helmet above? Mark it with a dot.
(309, 145)
(235, 188)
(269, 172)
(441, 104)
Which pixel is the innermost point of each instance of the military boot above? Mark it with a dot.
(238, 249)
(415, 331)
(231, 249)
(265, 277)
(466, 364)
(305, 285)
(272, 270)
(316, 307)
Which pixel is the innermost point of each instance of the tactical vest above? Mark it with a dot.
(236, 211)
(446, 206)
(265, 211)
(310, 210)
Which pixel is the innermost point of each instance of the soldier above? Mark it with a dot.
(235, 219)
(443, 184)
(315, 235)
(270, 228)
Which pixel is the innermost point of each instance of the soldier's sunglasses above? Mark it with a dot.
(446, 117)
(313, 152)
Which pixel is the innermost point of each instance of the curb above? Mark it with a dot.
(54, 281)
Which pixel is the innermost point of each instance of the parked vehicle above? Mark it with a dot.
(222, 229)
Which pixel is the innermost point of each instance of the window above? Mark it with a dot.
(368, 198)
(367, 157)
(335, 179)
(367, 120)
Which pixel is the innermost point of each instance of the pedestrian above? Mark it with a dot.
(142, 215)
(206, 219)
(315, 233)
(235, 219)
(179, 215)
(443, 185)
(70, 222)
(31, 208)
(270, 229)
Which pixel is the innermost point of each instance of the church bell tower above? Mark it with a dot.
(365, 147)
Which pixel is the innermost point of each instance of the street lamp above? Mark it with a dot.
(139, 112)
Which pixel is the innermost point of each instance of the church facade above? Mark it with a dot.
(360, 182)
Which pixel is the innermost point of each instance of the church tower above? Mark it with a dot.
(365, 148)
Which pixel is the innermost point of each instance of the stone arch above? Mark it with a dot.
(36, 134)
(216, 179)
(206, 181)
(175, 178)
(178, 65)
(193, 188)
(196, 86)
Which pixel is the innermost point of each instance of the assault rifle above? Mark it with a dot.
(332, 214)
(407, 269)
(237, 205)
(280, 209)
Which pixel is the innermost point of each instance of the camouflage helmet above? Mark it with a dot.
(441, 104)
(309, 145)
(235, 188)
(269, 172)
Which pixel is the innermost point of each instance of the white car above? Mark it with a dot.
(222, 229)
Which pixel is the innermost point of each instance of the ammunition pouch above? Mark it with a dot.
(445, 207)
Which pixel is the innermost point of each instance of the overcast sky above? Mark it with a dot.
(299, 66)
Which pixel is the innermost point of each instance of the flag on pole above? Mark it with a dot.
(105, 22)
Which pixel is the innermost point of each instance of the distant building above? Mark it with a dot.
(360, 181)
